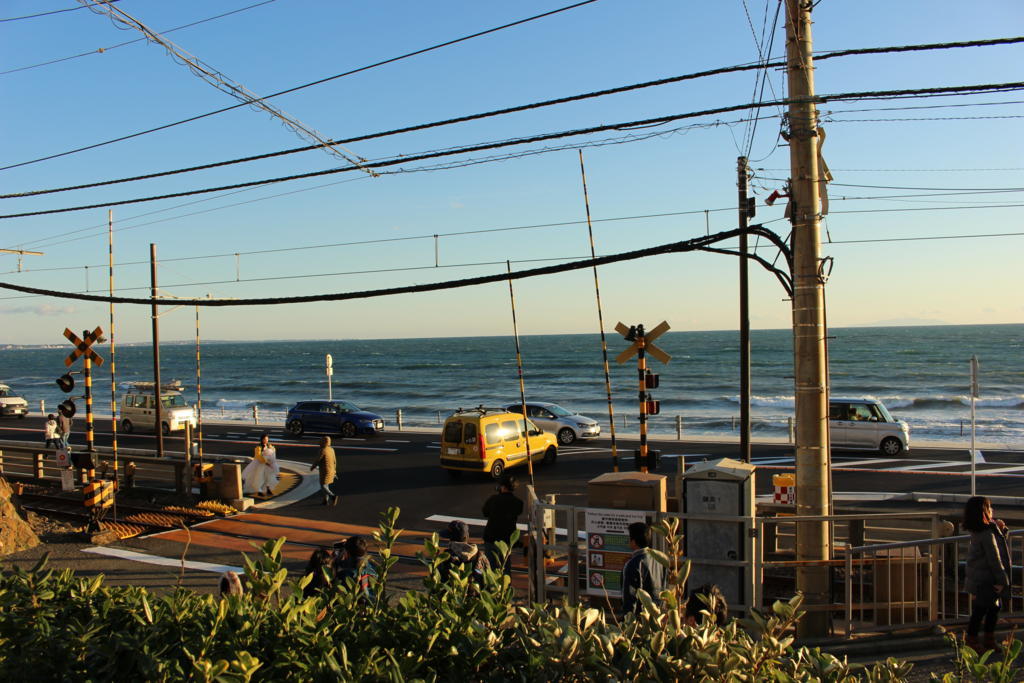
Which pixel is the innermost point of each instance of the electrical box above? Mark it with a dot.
(721, 550)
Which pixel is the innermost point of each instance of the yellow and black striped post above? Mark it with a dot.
(641, 364)
(99, 495)
(90, 436)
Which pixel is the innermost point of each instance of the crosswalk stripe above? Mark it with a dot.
(123, 554)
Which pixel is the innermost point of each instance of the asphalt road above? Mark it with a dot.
(401, 468)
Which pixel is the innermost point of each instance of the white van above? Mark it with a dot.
(11, 404)
(138, 409)
(864, 423)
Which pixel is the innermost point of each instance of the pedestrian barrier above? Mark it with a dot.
(879, 580)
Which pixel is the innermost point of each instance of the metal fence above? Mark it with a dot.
(888, 570)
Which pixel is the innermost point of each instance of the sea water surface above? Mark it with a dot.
(921, 373)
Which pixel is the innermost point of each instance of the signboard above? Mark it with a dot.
(63, 457)
(608, 548)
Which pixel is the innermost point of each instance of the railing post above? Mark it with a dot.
(849, 592)
(1, 462)
(574, 552)
(398, 418)
(179, 478)
(679, 427)
(255, 414)
(37, 465)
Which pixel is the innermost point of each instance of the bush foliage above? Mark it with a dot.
(55, 626)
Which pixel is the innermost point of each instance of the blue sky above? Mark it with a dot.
(51, 109)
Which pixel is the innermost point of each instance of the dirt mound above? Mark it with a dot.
(15, 532)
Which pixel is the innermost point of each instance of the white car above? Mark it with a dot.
(565, 424)
(864, 423)
(11, 403)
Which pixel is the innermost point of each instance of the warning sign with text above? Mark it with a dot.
(608, 548)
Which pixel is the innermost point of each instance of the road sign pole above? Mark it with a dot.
(641, 365)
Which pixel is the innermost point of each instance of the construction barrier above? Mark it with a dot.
(785, 488)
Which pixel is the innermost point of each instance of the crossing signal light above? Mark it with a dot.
(66, 383)
(651, 380)
(653, 459)
(653, 406)
(67, 408)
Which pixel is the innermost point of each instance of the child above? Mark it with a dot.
(52, 441)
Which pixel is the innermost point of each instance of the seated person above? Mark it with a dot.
(706, 598)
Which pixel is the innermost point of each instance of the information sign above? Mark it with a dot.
(608, 548)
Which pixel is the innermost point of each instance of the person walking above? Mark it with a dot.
(260, 476)
(50, 432)
(641, 570)
(988, 571)
(501, 510)
(64, 424)
(327, 462)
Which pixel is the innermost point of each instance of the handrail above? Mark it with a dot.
(924, 541)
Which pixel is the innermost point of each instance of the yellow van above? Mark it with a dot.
(492, 440)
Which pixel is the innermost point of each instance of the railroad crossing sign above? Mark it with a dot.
(84, 346)
(630, 334)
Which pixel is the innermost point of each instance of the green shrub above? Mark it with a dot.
(55, 626)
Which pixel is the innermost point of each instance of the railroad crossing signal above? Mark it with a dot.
(645, 338)
(84, 346)
(641, 346)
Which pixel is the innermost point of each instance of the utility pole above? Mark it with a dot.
(746, 211)
(158, 417)
(810, 367)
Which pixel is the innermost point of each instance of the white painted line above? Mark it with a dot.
(771, 461)
(396, 441)
(931, 466)
(854, 463)
(434, 448)
(308, 485)
(123, 554)
(1000, 470)
(483, 522)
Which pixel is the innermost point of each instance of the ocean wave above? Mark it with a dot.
(938, 402)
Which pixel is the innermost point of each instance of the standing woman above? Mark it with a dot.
(260, 475)
(988, 570)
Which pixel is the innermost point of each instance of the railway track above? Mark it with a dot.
(131, 521)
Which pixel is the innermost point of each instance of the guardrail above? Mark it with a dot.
(870, 589)
(28, 461)
(901, 585)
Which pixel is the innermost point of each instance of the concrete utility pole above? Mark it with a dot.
(746, 211)
(810, 371)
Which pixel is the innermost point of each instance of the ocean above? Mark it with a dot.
(921, 373)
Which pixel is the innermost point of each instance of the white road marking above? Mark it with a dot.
(854, 463)
(771, 461)
(146, 558)
(396, 441)
(929, 466)
(1000, 470)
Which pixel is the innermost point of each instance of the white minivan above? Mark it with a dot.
(138, 408)
(864, 423)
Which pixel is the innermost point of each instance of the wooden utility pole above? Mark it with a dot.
(158, 407)
(745, 212)
(810, 371)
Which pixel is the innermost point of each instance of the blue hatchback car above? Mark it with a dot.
(331, 417)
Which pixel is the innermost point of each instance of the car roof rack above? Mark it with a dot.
(482, 409)
(174, 385)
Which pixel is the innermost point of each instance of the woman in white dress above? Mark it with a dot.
(261, 475)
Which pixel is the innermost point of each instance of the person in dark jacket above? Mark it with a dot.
(353, 565)
(641, 571)
(463, 556)
(501, 510)
(988, 570)
(319, 565)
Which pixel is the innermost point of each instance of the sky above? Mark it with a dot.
(948, 169)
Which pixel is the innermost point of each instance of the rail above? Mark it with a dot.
(23, 460)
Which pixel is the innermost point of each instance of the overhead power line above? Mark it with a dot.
(451, 121)
(865, 95)
(673, 247)
(56, 11)
(391, 60)
(102, 50)
(219, 80)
